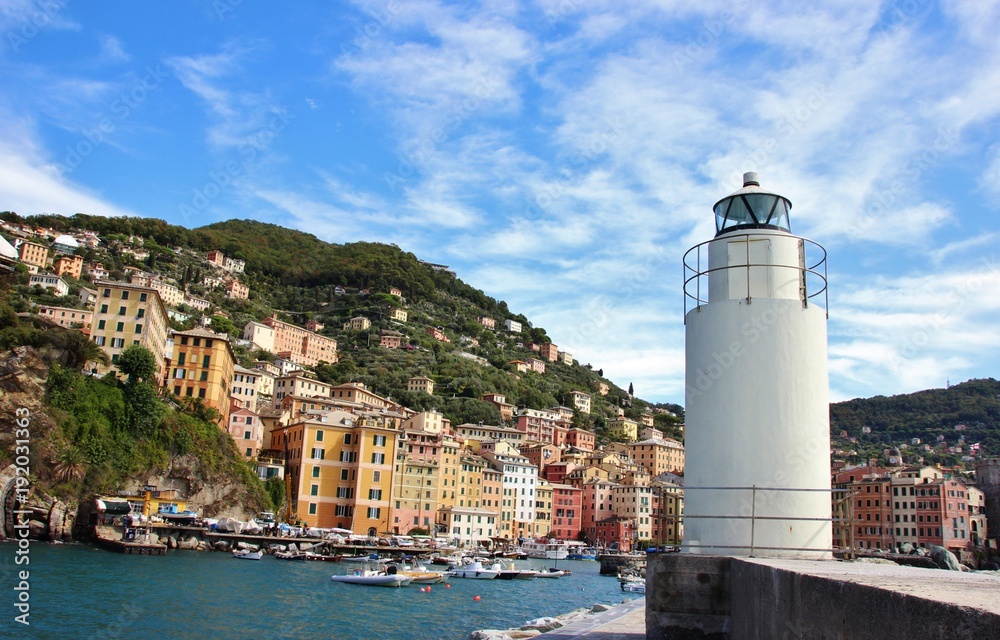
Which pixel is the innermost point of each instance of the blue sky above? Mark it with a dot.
(561, 155)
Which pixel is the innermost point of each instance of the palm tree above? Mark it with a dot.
(78, 350)
(70, 465)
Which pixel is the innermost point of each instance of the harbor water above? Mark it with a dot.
(84, 592)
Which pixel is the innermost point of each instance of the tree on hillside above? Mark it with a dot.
(143, 409)
(138, 363)
(77, 350)
(631, 391)
(222, 324)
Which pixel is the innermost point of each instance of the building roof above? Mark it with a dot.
(66, 240)
(7, 249)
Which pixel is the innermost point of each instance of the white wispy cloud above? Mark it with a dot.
(237, 113)
(30, 184)
(113, 49)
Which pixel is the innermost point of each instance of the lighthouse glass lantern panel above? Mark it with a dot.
(752, 211)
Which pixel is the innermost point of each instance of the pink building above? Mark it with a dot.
(437, 334)
(596, 505)
(246, 429)
(581, 439)
(215, 257)
(534, 364)
(567, 511)
(236, 290)
(537, 425)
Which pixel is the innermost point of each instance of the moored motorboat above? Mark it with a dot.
(582, 553)
(375, 576)
(419, 573)
(289, 555)
(545, 549)
(321, 557)
(474, 570)
(551, 572)
(248, 555)
(512, 573)
(634, 586)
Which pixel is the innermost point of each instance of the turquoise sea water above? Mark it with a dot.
(79, 591)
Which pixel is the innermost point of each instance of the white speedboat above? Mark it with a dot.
(375, 577)
(551, 572)
(635, 586)
(474, 570)
(248, 555)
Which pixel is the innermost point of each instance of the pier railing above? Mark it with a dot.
(753, 503)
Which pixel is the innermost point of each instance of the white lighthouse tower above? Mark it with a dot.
(757, 434)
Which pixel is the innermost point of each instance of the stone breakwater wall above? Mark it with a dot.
(538, 626)
(694, 597)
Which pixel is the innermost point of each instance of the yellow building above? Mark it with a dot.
(202, 366)
(659, 455)
(125, 315)
(420, 384)
(424, 447)
(543, 509)
(397, 314)
(340, 471)
(668, 513)
(625, 428)
(357, 392)
(470, 481)
(414, 494)
(359, 323)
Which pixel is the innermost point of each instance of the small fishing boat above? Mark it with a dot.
(582, 553)
(289, 555)
(248, 555)
(552, 572)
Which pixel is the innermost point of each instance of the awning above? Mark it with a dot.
(114, 508)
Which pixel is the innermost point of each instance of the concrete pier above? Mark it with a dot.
(694, 597)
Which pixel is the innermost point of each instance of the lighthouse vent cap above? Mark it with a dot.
(750, 179)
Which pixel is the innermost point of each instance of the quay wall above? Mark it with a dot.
(200, 534)
(720, 598)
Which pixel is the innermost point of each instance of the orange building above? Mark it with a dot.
(202, 366)
(340, 469)
(71, 266)
(34, 254)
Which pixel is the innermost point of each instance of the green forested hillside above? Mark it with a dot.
(300, 278)
(965, 413)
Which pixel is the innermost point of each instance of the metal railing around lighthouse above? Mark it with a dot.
(754, 517)
(812, 270)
